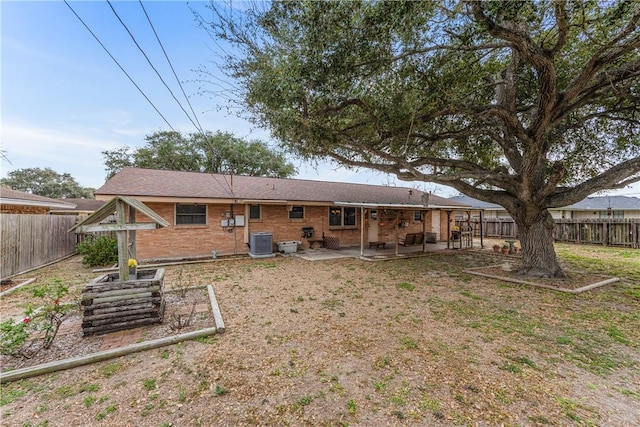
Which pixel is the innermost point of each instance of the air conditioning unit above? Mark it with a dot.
(261, 245)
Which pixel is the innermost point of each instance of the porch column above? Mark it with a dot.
(424, 231)
(396, 228)
(481, 230)
(448, 228)
(361, 231)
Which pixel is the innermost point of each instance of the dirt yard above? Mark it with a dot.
(349, 342)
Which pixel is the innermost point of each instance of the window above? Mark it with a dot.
(254, 212)
(191, 214)
(342, 217)
(611, 214)
(417, 216)
(296, 212)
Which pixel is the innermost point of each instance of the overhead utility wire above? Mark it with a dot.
(152, 66)
(118, 64)
(183, 92)
(171, 65)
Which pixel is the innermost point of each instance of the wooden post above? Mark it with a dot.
(217, 316)
(123, 246)
(132, 234)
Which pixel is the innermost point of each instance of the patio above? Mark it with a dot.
(370, 254)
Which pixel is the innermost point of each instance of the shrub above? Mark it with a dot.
(98, 251)
(42, 319)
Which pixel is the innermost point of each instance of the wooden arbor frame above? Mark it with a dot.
(125, 230)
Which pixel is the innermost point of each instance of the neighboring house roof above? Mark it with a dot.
(475, 204)
(14, 197)
(151, 183)
(596, 203)
(82, 205)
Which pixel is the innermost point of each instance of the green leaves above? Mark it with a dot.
(46, 182)
(219, 152)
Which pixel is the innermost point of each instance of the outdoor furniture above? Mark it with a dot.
(314, 241)
(412, 239)
(377, 245)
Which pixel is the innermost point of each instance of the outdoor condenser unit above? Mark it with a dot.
(261, 245)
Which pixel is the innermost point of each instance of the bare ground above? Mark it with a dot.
(348, 342)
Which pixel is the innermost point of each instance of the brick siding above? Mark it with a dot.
(200, 240)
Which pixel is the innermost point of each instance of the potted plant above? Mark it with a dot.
(496, 248)
(505, 248)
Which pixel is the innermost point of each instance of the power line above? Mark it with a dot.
(151, 64)
(172, 69)
(118, 64)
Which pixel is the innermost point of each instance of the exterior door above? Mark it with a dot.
(372, 235)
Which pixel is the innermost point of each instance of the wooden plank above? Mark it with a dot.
(58, 365)
(116, 292)
(93, 228)
(217, 316)
(129, 310)
(124, 318)
(96, 311)
(117, 303)
(121, 299)
(119, 326)
(96, 286)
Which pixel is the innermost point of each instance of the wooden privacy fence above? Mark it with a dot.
(608, 232)
(29, 241)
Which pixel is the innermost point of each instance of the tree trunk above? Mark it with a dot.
(538, 254)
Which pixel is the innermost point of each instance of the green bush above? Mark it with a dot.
(42, 319)
(98, 251)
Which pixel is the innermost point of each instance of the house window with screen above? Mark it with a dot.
(254, 212)
(296, 212)
(342, 217)
(417, 216)
(191, 214)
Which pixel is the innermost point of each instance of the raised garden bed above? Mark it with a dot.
(111, 305)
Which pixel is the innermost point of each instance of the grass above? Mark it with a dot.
(150, 384)
(443, 347)
(111, 369)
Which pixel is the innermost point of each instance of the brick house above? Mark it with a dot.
(208, 212)
(19, 202)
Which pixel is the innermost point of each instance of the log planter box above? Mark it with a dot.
(111, 305)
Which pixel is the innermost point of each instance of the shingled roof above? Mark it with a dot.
(14, 197)
(173, 184)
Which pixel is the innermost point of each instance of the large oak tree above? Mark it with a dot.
(528, 104)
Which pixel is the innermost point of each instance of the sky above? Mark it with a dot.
(64, 100)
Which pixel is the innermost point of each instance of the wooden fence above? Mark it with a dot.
(29, 241)
(607, 232)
